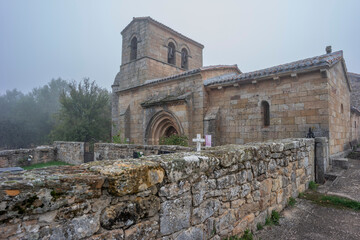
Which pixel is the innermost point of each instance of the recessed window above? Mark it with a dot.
(265, 112)
(342, 108)
(355, 124)
(133, 52)
(171, 53)
(184, 58)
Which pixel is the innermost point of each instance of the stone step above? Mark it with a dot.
(341, 163)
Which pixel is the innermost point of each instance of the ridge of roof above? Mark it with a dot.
(304, 64)
(148, 18)
(357, 75)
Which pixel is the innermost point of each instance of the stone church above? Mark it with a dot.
(163, 89)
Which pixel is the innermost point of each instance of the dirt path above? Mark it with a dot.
(307, 220)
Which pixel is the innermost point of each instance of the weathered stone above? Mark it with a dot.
(126, 214)
(175, 215)
(225, 221)
(195, 233)
(226, 181)
(204, 211)
(117, 234)
(272, 165)
(9, 230)
(144, 230)
(246, 189)
(121, 215)
(126, 177)
(265, 187)
(242, 177)
(243, 224)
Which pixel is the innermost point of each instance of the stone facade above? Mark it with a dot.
(209, 195)
(312, 93)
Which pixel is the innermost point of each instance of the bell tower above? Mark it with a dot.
(152, 50)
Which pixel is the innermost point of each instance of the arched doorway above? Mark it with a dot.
(162, 124)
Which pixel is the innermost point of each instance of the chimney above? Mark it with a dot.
(328, 50)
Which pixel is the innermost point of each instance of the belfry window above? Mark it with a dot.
(184, 58)
(171, 53)
(265, 112)
(133, 52)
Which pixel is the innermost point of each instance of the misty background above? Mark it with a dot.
(41, 40)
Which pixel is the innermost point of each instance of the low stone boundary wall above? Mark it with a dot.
(209, 195)
(70, 152)
(19, 157)
(112, 151)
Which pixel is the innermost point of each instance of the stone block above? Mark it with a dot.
(175, 215)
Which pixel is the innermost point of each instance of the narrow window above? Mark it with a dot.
(265, 111)
(171, 53)
(133, 52)
(184, 58)
(342, 108)
(355, 124)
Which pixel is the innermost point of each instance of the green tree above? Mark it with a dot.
(84, 114)
(27, 120)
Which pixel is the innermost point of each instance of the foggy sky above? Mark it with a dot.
(73, 39)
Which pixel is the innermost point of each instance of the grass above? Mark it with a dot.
(292, 202)
(274, 219)
(42, 165)
(313, 185)
(331, 201)
(259, 226)
(247, 236)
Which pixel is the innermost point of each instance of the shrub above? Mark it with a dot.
(175, 139)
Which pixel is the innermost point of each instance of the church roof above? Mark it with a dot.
(307, 64)
(192, 72)
(164, 27)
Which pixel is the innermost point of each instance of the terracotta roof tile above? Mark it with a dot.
(308, 63)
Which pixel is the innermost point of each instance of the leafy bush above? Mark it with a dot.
(117, 139)
(175, 139)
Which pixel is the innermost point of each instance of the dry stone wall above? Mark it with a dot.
(19, 157)
(113, 151)
(70, 152)
(209, 195)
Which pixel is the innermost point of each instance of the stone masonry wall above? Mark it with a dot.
(112, 151)
(19, 157)
(296, 104)
(355, 89)
(70, 152)
(208, 195)
(339, 111)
